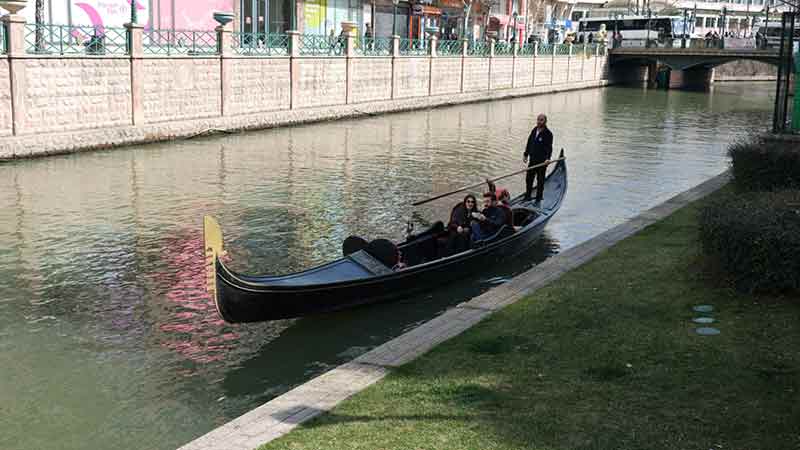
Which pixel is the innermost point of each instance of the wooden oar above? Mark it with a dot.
(473, 186)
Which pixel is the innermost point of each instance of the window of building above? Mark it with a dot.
(711, 22)
(699, 22)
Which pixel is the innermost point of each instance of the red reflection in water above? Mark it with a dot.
(193, 329)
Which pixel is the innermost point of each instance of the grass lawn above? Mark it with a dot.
(604, 358)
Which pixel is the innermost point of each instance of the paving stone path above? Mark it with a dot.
(280, 415)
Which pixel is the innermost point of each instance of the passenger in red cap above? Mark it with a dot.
(504, 202)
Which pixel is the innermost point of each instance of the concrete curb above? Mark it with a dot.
(37, 145)
(280, 415)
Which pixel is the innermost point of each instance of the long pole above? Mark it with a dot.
(473, 186)
(133, 12)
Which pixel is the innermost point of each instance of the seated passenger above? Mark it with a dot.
(490, 220)
(459, 225)
(504, 202)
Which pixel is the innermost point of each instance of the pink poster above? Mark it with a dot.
(197, 14)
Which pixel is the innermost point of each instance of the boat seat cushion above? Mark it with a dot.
(370, 263)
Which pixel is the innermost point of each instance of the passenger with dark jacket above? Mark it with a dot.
(539, 150)
(459, 225)
(490, 220)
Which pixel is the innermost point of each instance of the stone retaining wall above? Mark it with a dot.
(56, 104)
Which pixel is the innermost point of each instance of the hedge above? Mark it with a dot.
(755, 238)
(760, 165)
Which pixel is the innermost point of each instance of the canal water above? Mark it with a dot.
(107, 336)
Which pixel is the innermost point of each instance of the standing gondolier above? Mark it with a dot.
(538, 151)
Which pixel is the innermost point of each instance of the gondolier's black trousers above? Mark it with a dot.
(539, 175)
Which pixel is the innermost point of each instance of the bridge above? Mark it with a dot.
(689, 68)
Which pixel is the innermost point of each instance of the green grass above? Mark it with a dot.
(604, 358)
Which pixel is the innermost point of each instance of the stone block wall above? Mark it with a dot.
(543, 71)
(476, 74)
(576, 68)
(370, 79)
(446, 76)
(322, 82)
(75, 93)
(258, 85)
(502, 70)
(6, 128)
(181, 88)
(412, 77)
(561, 67)
(523, 72)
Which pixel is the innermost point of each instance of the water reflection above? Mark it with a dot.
(102, 290)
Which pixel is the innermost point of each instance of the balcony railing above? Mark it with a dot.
(260, 44)
(449, 48)
(49, 39)
(180, 42)
(413, 47)
(374, 46)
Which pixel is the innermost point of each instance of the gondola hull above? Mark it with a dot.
(337, 286)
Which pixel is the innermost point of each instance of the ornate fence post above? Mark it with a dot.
(433, 42)
(225, 49)
(135, 52)
(15, 50)
(533, 63)
(294, 67)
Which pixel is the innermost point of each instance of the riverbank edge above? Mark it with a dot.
(39, 145)
(321, 394)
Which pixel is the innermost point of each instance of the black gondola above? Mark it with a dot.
(361, 278)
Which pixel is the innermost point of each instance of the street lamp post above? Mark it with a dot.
(722, 27)
(394, 17)
(133, 12)
(649, 16)
(683, 36)
(515, 27)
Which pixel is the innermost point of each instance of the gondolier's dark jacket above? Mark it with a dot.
(539, 148)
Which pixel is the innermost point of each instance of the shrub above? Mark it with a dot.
(760, 165)
(755, 238)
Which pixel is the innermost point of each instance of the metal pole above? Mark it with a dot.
(789, 49)
(394, 21)
(777, 116)
(647, 42)
(683, 36)
(133, 12)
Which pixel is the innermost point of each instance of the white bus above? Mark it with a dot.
(663, 30)
(769, 36)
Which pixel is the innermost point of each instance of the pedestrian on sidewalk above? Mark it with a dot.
(538, 150)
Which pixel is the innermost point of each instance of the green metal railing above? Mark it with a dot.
(410, 47)
(260, 44)
(3, 40)
(527, 50)
(503, 48)
(49, 39)
(479, 48)
(449, 48)
(179, 42)
(374, 46)
(562, 49)
(317, 44)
